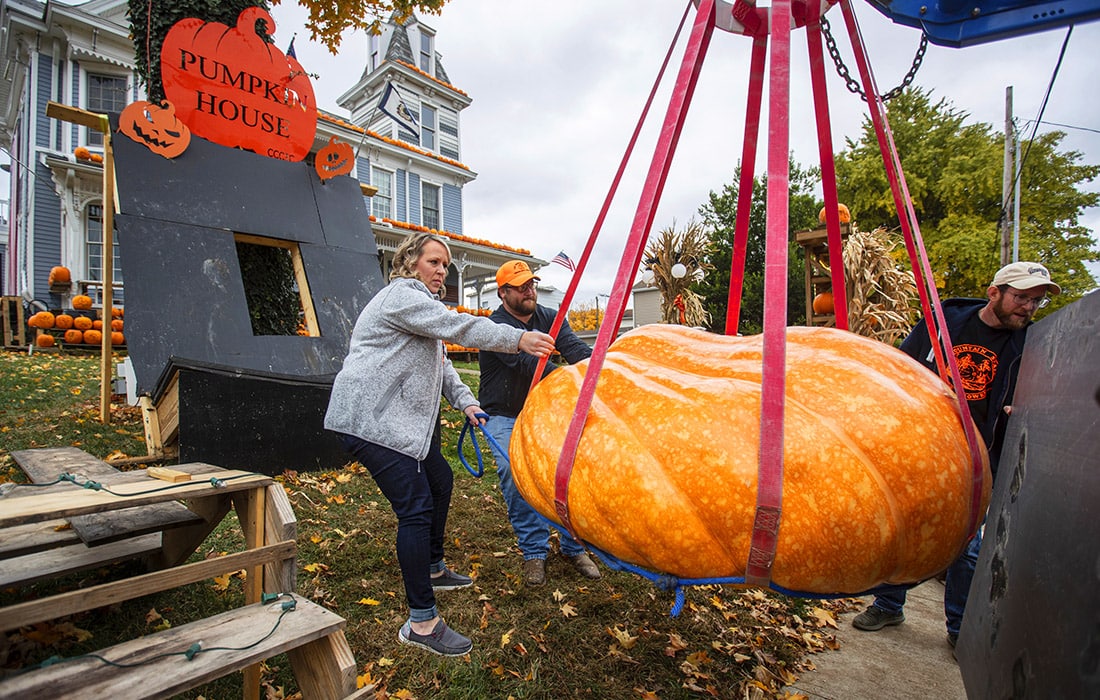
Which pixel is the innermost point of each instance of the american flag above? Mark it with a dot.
(564, 260)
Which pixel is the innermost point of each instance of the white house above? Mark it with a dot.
(81, 55)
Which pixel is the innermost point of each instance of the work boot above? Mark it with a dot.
(875, 618)
(584, 565)
(534, 572)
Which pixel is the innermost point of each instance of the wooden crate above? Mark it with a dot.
(13, 321)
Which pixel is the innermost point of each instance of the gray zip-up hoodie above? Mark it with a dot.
(388, 390)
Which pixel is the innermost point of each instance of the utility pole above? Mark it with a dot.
(1006, 182)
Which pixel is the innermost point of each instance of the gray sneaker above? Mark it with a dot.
(875, 618)
(443, 640)
(449, 581)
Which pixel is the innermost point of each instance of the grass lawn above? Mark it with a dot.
(606, 639)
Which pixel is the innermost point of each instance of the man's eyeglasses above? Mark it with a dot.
(1025, 300)
(530, 286)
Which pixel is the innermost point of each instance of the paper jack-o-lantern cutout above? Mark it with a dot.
(877, 474)
(337, 158)
(155, 127)
(233, 88)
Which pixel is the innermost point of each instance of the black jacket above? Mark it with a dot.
(957, 313)
(505, 379)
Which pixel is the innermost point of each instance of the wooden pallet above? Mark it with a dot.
(13, 322)
(33, 546)
(156, 665)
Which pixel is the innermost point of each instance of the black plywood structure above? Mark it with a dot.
(1032, 623)
(186, 305)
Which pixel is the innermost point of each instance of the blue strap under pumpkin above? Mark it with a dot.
(675, 584)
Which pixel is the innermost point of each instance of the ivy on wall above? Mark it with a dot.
(274, 304)
(150, 21)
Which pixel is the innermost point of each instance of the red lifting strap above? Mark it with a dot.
(914, 244)
(769, 487)
(686, 80)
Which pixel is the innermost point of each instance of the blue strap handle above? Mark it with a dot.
(467, 427)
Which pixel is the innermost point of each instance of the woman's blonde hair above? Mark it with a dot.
(409, 252)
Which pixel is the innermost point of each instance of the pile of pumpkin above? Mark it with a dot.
(78, 329)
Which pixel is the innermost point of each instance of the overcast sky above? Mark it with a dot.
(558, 87)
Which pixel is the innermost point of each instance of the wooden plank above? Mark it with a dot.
(49, 506)
(36, 537)
(239, 633)
(250, 512)
(168, 413)
(45, 465)
(280, 525)
(172, 476)
(76, 557)
(150, 421)
(324, 668)
(116, 591)
(180, 543)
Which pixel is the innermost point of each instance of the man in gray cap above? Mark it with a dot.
(987, 336)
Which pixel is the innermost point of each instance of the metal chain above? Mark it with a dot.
(852, 84)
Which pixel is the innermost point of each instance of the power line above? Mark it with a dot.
(1064, 126)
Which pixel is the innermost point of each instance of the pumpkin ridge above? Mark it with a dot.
(693, 518)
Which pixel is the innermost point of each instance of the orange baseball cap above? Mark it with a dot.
(515, 274)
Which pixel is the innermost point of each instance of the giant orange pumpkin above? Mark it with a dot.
(155, 127)
(63, 321)
(74, 336)
(82, 302)
(233, 88)
(877, 473)
(93, 337)
(82, 323)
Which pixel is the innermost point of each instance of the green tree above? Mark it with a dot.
(719, 215)
(150, 21)
(953, 170)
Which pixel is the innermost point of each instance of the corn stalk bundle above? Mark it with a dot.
(689, 247)
(880, 294)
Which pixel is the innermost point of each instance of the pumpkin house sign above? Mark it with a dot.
(235, 89)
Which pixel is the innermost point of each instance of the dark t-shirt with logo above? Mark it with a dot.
(977, 351)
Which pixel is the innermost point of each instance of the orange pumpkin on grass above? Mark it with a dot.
(877, 473)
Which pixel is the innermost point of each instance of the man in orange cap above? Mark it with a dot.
(505, 380)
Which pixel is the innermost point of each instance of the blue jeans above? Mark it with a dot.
(420, 495)
(956, 587)
(531, 529)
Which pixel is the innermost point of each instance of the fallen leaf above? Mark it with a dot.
(369, 601)
(506, 638)
(568, 610)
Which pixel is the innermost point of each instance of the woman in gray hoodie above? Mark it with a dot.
(385, 406)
